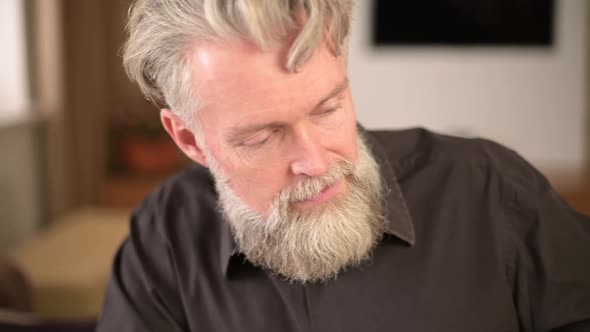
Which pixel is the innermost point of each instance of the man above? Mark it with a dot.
(298, 220)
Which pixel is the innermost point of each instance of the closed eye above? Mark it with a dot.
(324, 112)
(328, 111)
(259, 139)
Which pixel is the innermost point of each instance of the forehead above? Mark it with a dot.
(239, 78)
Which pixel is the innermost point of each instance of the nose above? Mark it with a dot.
(310, 157)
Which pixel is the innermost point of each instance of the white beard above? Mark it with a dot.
(314, 244)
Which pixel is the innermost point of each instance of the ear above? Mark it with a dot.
(182, 136)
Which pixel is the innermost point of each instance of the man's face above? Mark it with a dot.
(269, 129)
(298, 186)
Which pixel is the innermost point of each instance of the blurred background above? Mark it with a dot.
(80, 147)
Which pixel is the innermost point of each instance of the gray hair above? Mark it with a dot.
(161, 33)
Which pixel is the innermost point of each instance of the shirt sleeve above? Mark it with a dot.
(550, 263)
(142, 294)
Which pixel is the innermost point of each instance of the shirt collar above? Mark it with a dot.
(397, 217)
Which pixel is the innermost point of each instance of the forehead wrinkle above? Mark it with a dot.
(258, 100)
(220, 75)
(283, 105)
(252, 91)
(253, 95)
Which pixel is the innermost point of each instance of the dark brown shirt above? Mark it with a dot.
(477, 240)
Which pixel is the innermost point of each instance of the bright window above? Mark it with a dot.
(14, 91)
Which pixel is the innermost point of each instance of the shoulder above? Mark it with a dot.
(414, 148)
(183, 206)
(152, 266)
(430, 165)
(193, 184)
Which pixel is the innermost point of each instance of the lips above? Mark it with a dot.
(326, 194)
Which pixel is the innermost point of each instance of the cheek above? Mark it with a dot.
(345, 137)
(348, 142)
(257, 186)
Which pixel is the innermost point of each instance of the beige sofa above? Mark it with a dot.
(68, 264)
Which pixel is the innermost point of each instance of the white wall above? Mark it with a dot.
(530, 99)
(14, 92)
(19, 187)
(19, 180)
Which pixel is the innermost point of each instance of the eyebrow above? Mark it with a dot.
(335, 92)
(238, 132)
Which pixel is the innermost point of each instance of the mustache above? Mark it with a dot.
(313, 186)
